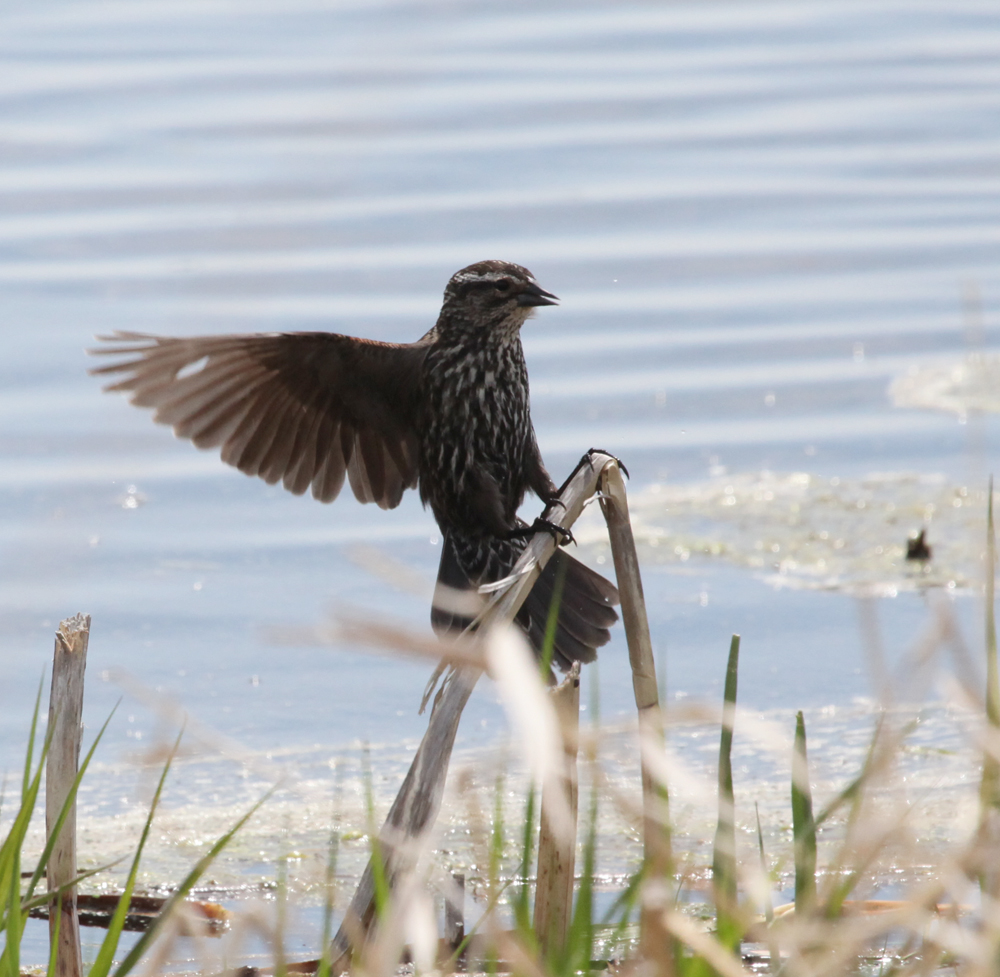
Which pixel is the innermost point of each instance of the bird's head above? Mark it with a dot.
(493, 296)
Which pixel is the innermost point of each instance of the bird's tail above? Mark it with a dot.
(584, 599)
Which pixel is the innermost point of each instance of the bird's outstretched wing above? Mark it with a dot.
(302, 408)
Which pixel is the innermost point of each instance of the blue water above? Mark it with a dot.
(757, 216)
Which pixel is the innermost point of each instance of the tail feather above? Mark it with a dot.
(585, 610)
(586, 599)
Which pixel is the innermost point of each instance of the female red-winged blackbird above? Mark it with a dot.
(449, 412)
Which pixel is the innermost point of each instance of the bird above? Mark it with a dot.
(917, 547)
(448, 415)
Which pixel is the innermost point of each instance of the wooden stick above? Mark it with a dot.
(656, 830)
(65, 720)
(419, 799)
(556, 849)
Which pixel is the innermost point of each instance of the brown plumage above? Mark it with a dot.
(449, 413)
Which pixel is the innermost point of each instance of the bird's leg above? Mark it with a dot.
(560, 534)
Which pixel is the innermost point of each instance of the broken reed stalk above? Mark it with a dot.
(416, 806)
(654, 943)
(65, 723)
(556, 849)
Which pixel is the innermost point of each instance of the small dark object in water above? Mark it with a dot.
(917, 548)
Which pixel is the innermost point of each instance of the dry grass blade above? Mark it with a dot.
(534, 721)
(714, 953)
(398, 640)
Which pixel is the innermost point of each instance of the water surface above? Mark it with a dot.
(758, 217)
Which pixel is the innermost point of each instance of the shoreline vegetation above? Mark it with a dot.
(875, 891)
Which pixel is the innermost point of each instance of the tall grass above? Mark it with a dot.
(17, 901)
(989, 790)
(830, 931)
(724, 849)
(803, 825)
(15, 904)
(831, 928)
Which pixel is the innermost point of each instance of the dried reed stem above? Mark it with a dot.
(416, 806)
(557, 849)
(65, 721)
(653, 940)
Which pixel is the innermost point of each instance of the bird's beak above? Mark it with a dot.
(532, 295)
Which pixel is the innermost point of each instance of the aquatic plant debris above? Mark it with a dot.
(937, 776)
(824, 533)
(960, 388)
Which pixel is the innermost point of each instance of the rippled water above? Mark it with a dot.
(758, 216)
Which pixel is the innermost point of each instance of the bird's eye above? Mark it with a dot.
(502, 286)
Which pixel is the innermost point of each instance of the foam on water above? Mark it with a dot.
(801, 530)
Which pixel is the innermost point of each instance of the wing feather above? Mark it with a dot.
(278, 451)
(330, 477)
(304, 463)
(203, 419)
(305, 409)
(238, 449)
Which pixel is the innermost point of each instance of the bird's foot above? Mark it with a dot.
(560, 534)
(585, 460)
(601, 451)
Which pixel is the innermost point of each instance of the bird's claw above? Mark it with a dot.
(560, 534)
(618, 461)
(586, 460)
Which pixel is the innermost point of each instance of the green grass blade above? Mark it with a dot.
(852, 792)
(141, 945)
(552, 620)
(989, 792)
(54, 940)
(989, 787)
(625, 901)
(31, 736)
(992, 676)
(843, 883)
(326, 959)
(10, 960)
(580, 939)
(497, 833)
(496, 858)
(29, 797)
(488, 910)
(724, 849)
(66, 808)
(46, 897)
(10, 851)
(381, 883)
(803, 825)
(106, 954)
(281, 917)
(768, 905)
(521, 902)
